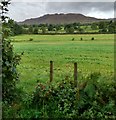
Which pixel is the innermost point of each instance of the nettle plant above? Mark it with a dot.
(9, 59)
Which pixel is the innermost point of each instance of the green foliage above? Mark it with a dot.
(112, 27)
(30, 30)
(69, 28)
(58, 27)
(14, 27)
(55, 99)
(91, 100)
(88, 28)
(95, 97)
(9, 72)
(94, 26)
(103, 27)
(81, 30)
(35, 31)
(43, 30)
(9, 62)
(50, 27)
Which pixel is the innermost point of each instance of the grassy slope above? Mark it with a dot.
(91, 56)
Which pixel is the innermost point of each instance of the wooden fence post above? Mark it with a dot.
(75, 75)
(51, 71)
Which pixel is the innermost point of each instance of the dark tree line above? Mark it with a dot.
(101, 27)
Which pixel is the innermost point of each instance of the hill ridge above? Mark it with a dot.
(60, 18)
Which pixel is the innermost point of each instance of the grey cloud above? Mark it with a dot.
(24, 10)
(93, 9)
(80, 6)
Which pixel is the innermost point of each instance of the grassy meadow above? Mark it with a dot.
(91, 55)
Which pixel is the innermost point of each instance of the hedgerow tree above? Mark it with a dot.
(30, 29)
(69, 28)
(35, 31)
(9, 59)
(94, 26)
(111, 27)
(14, 27)
(102, 27)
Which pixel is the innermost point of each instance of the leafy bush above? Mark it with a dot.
(92, 99)
(9, 60)
(55, 99)
(95, 99)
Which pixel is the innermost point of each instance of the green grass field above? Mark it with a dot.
(91, 55)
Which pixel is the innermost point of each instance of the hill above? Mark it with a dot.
(60, 19)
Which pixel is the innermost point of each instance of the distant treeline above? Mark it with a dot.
(73, 28)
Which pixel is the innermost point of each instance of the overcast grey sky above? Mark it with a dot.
(22, 10)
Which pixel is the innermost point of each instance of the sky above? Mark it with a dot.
(19, 10)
